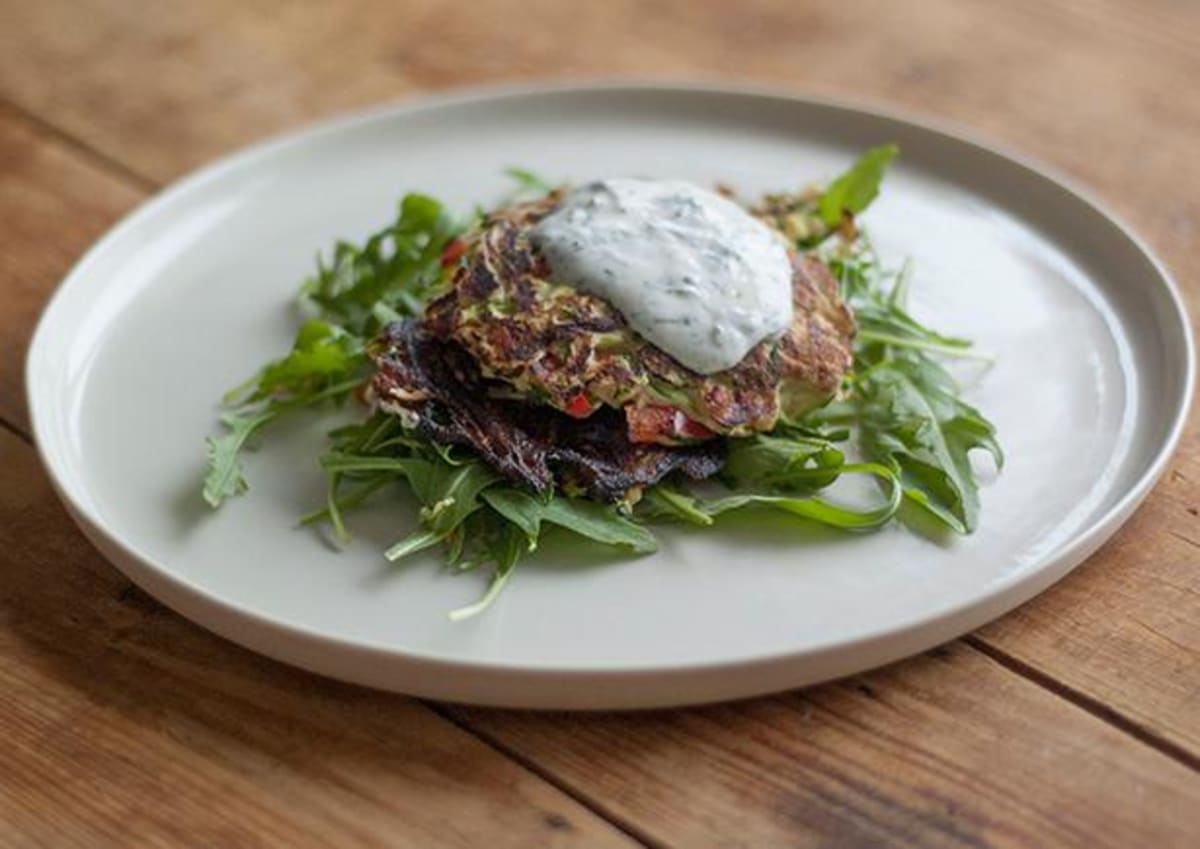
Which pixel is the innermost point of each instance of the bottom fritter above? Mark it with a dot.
(435, 387)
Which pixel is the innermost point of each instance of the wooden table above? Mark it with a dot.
(1074, 721)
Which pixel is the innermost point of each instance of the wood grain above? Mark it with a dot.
(122, 720)
(1084, 84)
(1051, 76)
(1124, 630)
(118, 718)
(52, 206)
(945, 750)
(121, 724)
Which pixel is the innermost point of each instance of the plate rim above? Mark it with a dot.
(229, 618)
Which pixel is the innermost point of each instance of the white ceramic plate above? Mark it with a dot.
(189, 294)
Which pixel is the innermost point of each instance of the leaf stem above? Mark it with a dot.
(963, 352)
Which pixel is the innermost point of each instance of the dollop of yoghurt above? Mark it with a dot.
(691, 271)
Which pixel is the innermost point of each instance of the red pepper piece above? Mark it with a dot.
(579, 407)
(662, 424)
(453, 252)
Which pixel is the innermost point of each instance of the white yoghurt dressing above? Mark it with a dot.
(691, 271)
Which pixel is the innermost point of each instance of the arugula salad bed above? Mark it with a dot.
(899, 418)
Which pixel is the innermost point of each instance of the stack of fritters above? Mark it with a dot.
(550, 385)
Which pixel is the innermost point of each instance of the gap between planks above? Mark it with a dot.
(1126, 724)
(1084, 702)
(17, 432)
(85, 151)
(446, 712)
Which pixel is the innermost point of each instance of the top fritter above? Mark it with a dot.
(550, 342)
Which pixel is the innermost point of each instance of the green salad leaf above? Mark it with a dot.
(394, 272)
(913, 420)
(822, 510)
(226, 477)
(362, 288)
(599, 522)
(322, 355)
(528, 182)
(853, 192)
(786, 462)
(505, 549)
(906, 405)
(465, 506)
(810, 218)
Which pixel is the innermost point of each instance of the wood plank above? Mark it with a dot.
(121, 724)
(945, 750)
(165, 87)
(1084, 84)
(118, 714)
(194, 79)
(53, 204)
(1125, 629)
(1078, 82)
